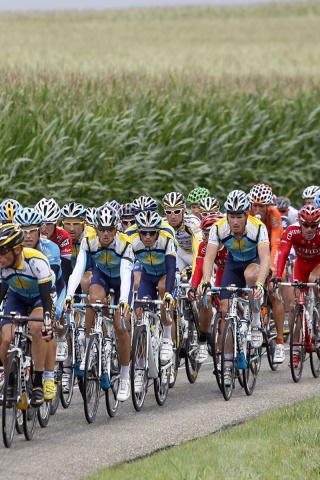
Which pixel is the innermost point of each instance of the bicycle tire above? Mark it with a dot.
(297, 317)
(111, 393)
(31, 414)
(44, 414)
(66, 396)
(19, 422)
(250, 374)
(139, 357)
(10, 399)
(161, 384)
(315, 356)
(270, 344)
(227, 362)
(91, 380)
(216, 352)
(192, 367)
(54, 403)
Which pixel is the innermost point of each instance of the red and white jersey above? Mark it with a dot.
(220, 262)
(306, 250)
(62, 238)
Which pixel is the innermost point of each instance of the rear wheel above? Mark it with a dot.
(215, 349)
(315, 356)
(161, 384)
(192, 367)
(111, 393)
(11, 391)
(44, 414)
(253, 358)
(227, 360)
(296, 348)
(139, 372)
(66, 391)
(54, 403)
(31, 414)
(175, 357)
(91, 380)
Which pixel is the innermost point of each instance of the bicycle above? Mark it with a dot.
(102, 362)
(145, 356)
(18, 382)
(243, 361)
(269, 330)
(304, 330)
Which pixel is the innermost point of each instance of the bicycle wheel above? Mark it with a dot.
(11, 391)
(44, 414)
(30, 415)
(175, 357)
(315, 356)
(227, 364)
(161, 384)
(91, 380)
(192, 367)
(112, 403)
(19, 422)
(139, 372)
(296, 370)
(216, 352)
(270, 344)
(66, 388)
(253, 358)
(54, 404)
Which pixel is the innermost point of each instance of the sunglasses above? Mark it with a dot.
(309, 225)
(128, 222)
(47, 224)
(283, 210)
(148, 232)
(106, 229)
(205, 214)
(31, 230)
(173, 212)
(3, 251)
(72, 224)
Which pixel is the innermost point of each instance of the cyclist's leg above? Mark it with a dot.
(251, 274)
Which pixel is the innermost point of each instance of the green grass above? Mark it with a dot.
(281, 445)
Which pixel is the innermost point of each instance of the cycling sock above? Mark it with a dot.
(124, 371)
(38, 378)
(167, 331)
(48, 375)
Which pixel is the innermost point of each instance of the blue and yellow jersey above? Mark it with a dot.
(76, 247)
(153, 259)
(246, 248)
(52, 252)
(33, 270)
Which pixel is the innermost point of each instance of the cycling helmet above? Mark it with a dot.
(28, 216)
(207, 222)
(197, 194)
(91, 215)
(310, 192)
(261, 194)
(114, 204)
(309, 213)
(209, 204)
(282, 203)
(174, 199)
(237, 202)
(73, 210)
(11, 235)
(317, 200)
(126, 211)
(49, 209)
(107, 216)
(142, 203)
(8, 209)
(148, 219)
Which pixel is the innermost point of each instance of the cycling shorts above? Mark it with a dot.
(301, 270)
(19, 304)
(99, 278)
(233, 274)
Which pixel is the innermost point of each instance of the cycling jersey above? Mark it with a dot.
(307, 251)
(33, 270)
(52, 252)
(164, 225)
(115, 260)
(62, 238)
(76, 247)
(220, 262)
(242, 250)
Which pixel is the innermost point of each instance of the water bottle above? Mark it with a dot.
(184, 326)
(243, 333)
(81, 342)
(155, 340)
(105, 353)
(26, 366)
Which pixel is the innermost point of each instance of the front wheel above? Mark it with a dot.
(11, 391)
(139, 371)
(297, 352)
(315, 356)
(227, 360)
(111, 393)
(91, 380)
(192, 367)
(253, 358)
(44, 414)
(161, 384)
(215, 349)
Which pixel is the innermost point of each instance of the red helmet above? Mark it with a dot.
(309, 213)
(207, 222)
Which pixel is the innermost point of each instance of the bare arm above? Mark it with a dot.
(211, 253)
(264, 256)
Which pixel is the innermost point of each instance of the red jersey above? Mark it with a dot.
(220, 262)
(62, 238)
(307, 251)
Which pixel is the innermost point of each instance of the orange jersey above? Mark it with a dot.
(275, 231)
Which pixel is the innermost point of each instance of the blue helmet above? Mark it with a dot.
(73, 210)
(237, 202)
(316, 200)
(144, 204)
(28, 216)
(148, 219)
(114, 204)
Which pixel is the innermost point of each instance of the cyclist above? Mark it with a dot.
(187, 229)
(126, 216)
(310, 193)
(8, 209)
(261, 199)
(305, 239)
(248, 260)
(90, 216)
(27, 282)
(205, 314)
(30, 221)
(112, 259)
(208, 206)
(288, 214)
(194, 198)
(50, 212)
(156, 252)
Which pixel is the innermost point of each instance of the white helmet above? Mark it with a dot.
(209, 204)
(148, 219)
(49, 209)
(73, 210)
(107, 216)
(173, 199)
(237, 202)
(310, 192)
(91, 215)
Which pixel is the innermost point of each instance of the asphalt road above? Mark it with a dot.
(72, 448)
